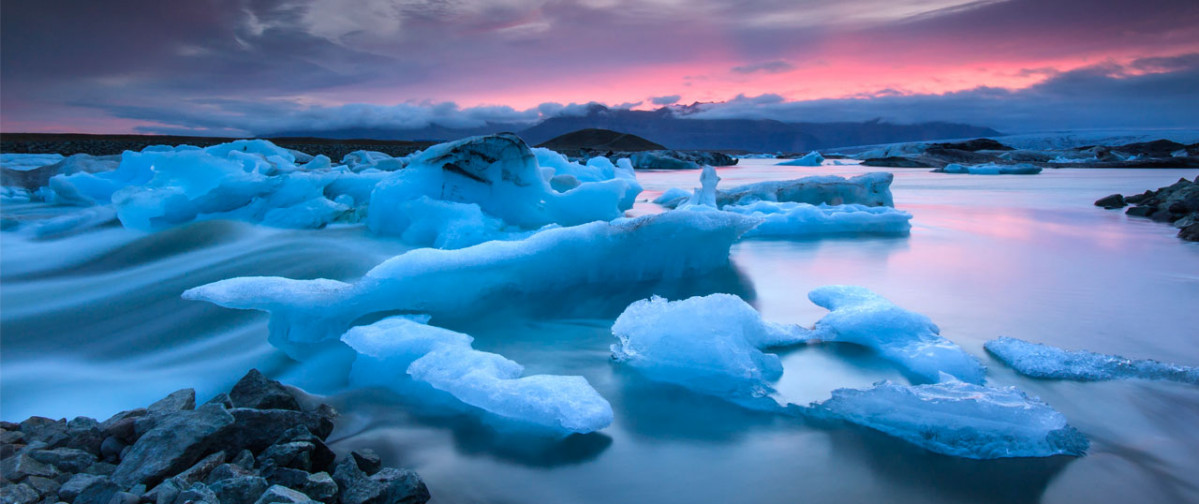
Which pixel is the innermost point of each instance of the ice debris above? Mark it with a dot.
(909, 339)
(810, 159)
(959, 419)
(397, 346)
(1044, 361)
(802, 219)
(711, 344)
(871, 189)
(991, 169)
(479, 187)
(452, 282)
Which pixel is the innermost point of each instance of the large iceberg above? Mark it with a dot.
(711, 344)
(395, 348)
(1043, 361)
(453, 282)
(991, 169)
(802, 219)
(870, 189)
(810, 159)
(909, 339)
(500, 176)
(959, 419)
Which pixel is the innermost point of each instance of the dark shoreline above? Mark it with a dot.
(107, 145)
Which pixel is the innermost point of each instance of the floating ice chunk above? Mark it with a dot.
(802, 219)
(810, 159)
(1043, 361)
(444, 359)
(79, 220)
(501, 175)
(870, 189)
(909, 339)
(705, 195)
(672, 197)
(959, 419)
(991, 169)
(452, 282)
(26, 162)
(711, 344)
(446, 224)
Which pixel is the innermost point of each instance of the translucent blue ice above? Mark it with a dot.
(810, 159)
(1043, 361)
(802, 219)
(992, 169)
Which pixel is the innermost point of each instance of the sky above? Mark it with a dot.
(240, 67)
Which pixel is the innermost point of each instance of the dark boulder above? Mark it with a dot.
(174, 444)
(1110, 202)
(179, 400)
(68, 460)
(284, 495)
(368, 461)
(239, 489)
(1189, 233)
(257, 391)
(19, 493)
(388, 486)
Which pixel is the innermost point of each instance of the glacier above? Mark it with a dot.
(958, 419)
(305, 313)
(711, 344)
(810, 159)
(991, 169)
(1044, 361)
(802, 219)
(394, 348)
(859, 316)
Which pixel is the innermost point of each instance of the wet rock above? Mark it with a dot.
(44, 486)
(177, 442)
(65, 459)
(165, 493)
(122, 424)
(256, 429)
(124, 498)
(284, 495)
(12, 437)
(368, 461)
(51, 432)
(1139, 211)
(387, 486)
(197, 493)
(1110, 202)
(85, 434)
(111, 448)
(221, 399)
(320, 455)
(239, 489)
(77, 484)
(99, 492)
(245, 460)
(18, 494)
(402, 486)
(180, 400)
(200, 470)
(257, 391)
(22, 465)
(101, 469)
(1189, 233)
(294, 455)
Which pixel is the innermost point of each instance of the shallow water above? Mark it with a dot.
(92, 324)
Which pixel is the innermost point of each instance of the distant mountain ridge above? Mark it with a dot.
(599, 140)
(666, 127)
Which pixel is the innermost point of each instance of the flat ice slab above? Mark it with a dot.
(805, 220)
(1044, 361)
(959, 419)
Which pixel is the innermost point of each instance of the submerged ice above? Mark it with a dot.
(959, 419)
(857, 315)
(395, 348)
(711, 344)
(1044, 361)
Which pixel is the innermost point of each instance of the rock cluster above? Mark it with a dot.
(252, 445)
(1177, 204)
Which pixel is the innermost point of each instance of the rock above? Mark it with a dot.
(257, 391)
(65, 459)
(1189, 233)
(165, 493)
(321, 456)
(176, 443)
(9, 426)
(1110, 202)
(239, 489)
(124, 498)
(99, 492)
(294, 455)
(8, 450)
(675, 160)
(101, 469)
(22, 465)
(122, 424)
(12, 437)
(18, 494)
(367, 460)
(51, 432)
(77, 484)
(256, 429)
(974, 145)
(402, 486)
(227, 471)
(200, 470)
(197, 493)
(179, 400)
(286, 495)
(221, 399)
(245, 459)
(320, 487)
(388, 486)
(43, 486)
(111, 448)
(85, 435)
(1139, 211)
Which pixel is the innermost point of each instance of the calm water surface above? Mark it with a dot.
(93, 324)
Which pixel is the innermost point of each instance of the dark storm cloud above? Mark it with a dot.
(1104, 95)
(777, 66)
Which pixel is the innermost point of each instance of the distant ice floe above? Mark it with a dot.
(1044, 361)
(396, 349)
(26, 162)
(991, 169)
(959, 419)
(907, 338)
(871, 189)
(305, 313)
(711, 344)
(802, 219)
(810, 159)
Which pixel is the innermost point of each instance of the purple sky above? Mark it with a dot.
(257, 66)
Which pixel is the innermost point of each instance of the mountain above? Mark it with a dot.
(595, 139)
(675, 130)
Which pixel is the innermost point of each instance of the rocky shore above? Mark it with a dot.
(255, 444)
(110, 145)
(1177, 204)
(983, 151)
